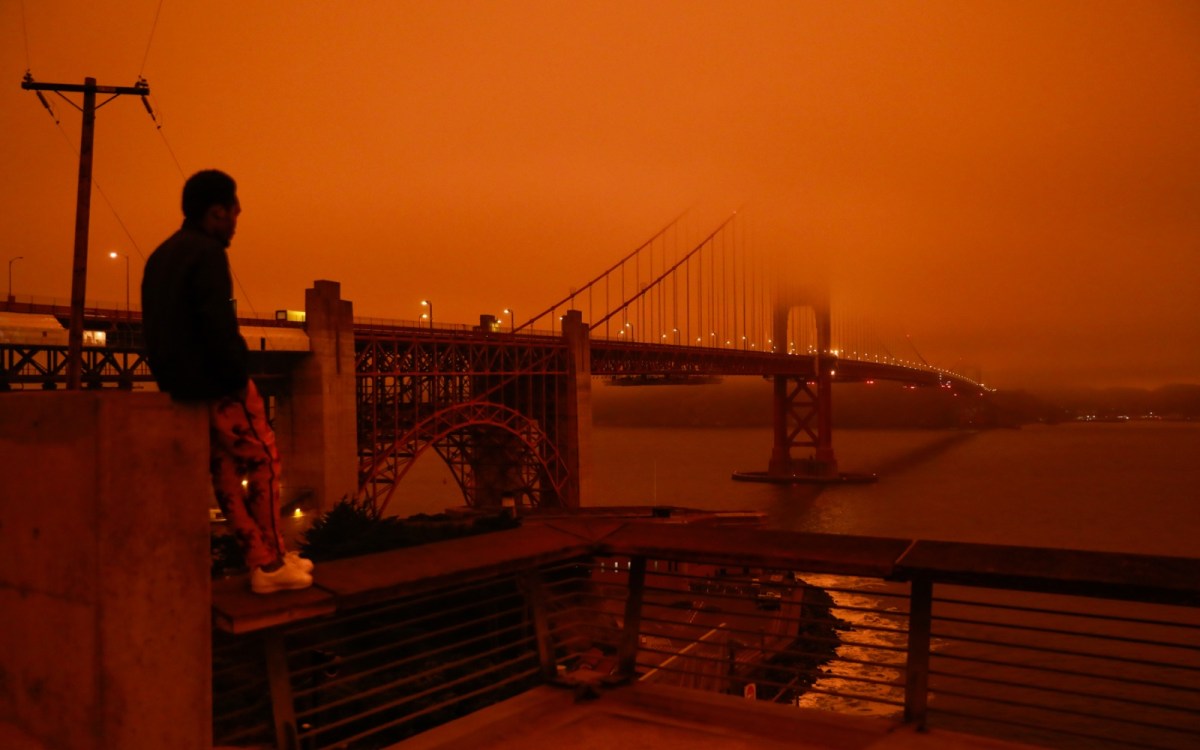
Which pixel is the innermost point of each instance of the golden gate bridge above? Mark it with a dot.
(507, 408)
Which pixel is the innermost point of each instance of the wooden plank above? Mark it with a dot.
(238, 610)
(412, 570)
(1147, 578)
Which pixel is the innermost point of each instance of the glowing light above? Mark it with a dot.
(298, 513)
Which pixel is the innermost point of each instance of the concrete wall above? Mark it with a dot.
(105, 637)
(317, 422)
(578, 409)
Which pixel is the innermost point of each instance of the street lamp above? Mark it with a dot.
(427, 303)
(10, 262)
(512, 318)
(114, 255)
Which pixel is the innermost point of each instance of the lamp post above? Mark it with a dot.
(512, 318)
(114, 255)
(427, 303)
(10, 262)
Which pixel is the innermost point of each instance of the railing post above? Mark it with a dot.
(282, 708)
(627, 651)
(531, 584)
(916, 685)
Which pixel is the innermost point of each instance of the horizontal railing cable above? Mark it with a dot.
(345, 741)
(1065, 613)
(1061, 631)
(407, 679)
(425, 654)
(1063, 671)
(1062, 691)
(1066, 652)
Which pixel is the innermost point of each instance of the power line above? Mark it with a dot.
(100, 189)
(25, 31)
(89, 88)
(153, 28)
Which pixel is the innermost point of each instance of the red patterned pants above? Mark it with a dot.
(245, 473)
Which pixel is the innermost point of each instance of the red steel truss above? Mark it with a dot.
(489, 404)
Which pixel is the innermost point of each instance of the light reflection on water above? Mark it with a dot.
(861, 644)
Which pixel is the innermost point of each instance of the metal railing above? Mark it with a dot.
(380, 673)
(1070, 655)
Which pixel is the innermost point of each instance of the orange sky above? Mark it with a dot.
(1016, 184)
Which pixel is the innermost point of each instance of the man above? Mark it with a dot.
(197, 354)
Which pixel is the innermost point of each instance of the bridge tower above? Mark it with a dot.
(803, 401)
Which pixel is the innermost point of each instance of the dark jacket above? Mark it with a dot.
(192, 340)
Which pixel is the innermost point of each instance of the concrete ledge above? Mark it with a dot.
(354, 582)
(105, 640)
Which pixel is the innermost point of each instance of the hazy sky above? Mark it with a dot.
(1016, 184)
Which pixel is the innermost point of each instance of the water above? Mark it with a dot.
(1120, 487)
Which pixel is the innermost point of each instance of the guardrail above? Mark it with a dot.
(1052, 647)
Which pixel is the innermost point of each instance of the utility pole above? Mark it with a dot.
(83, 201)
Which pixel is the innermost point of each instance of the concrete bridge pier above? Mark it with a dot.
(577, 409)
(316, 422)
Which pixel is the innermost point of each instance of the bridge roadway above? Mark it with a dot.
(33, 351)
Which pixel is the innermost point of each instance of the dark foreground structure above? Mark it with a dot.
(571, 630)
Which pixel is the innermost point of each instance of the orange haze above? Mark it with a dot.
(1016, 184)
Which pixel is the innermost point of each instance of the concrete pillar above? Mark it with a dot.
(106, 632)
(577, 438)
(319, 422)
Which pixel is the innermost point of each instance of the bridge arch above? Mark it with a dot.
(474, 437)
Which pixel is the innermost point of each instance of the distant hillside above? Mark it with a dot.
(747, 402)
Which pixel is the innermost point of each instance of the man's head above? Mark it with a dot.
(210, 202)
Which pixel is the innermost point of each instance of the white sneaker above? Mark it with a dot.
(284, 578)
(294, 559)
